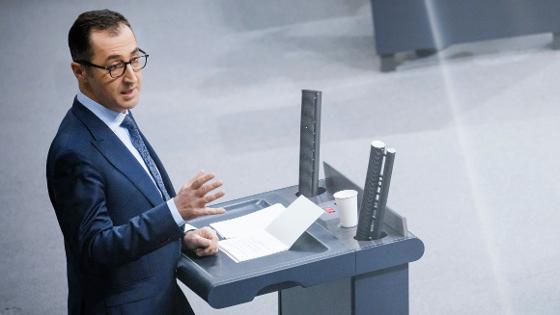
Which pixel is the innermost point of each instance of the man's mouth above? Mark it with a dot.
(128, 92)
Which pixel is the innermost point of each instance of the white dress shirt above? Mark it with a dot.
(113, 120)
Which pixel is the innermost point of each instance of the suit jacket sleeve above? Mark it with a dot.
(79, 192)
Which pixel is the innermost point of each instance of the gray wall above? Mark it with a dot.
(475, 128)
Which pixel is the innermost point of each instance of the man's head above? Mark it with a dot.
(103, 40)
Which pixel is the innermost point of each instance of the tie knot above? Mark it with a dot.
(128, 123)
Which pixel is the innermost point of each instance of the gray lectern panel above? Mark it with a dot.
(387, 252)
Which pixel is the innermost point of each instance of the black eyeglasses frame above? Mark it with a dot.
(122, 65)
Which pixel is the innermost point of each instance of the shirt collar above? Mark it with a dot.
(111, 118)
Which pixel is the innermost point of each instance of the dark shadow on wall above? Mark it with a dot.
(246, 15)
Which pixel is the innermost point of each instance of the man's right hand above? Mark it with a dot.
(192, 198)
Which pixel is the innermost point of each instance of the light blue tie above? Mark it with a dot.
(139, 144)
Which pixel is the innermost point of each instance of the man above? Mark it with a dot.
(122, 223)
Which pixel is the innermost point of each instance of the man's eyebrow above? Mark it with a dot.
(115, 56)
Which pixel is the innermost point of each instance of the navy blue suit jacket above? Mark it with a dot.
(122, 243)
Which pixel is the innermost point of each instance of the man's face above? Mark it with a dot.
(118, 94)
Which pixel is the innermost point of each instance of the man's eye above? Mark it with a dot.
(115, 66)
(135, 60)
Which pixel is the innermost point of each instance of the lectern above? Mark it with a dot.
(326, 271)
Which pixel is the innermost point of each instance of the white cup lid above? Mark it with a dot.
(345, 194)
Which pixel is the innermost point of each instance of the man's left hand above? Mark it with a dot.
(203, 242)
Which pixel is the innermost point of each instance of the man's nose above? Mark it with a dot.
(129, 74)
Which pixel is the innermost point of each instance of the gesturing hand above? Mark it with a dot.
(203, 241)
(192, 198)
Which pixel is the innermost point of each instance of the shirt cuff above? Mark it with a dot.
(177, 216)
(175, 213)
(189, 227)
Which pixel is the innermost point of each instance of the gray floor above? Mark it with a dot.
(475, 128)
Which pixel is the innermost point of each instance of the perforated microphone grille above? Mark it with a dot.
(309, 147)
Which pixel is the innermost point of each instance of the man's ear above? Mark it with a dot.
(79, 72)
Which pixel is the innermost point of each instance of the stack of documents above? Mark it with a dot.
(268, 231)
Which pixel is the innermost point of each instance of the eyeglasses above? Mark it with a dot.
(116, 70)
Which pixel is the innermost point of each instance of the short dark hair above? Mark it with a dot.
(99, 20)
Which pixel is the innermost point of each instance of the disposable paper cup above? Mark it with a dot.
(347, 205)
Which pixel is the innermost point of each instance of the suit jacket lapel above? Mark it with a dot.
(117, 153)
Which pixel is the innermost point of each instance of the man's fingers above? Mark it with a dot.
(209, 233)
(190, 181)
(216, 196)
(200, 252)
(202, 211)
(211, 250)
(207, 211)
(206, 242)
(201, 180)
(209, 187)
(195, 195)
(201, 242)
(213, 211)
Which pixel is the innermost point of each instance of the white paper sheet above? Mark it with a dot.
(249, 223)
(278, 236)
(252, 246)
(292, 222)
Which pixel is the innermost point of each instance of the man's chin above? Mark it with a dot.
(129, 103)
